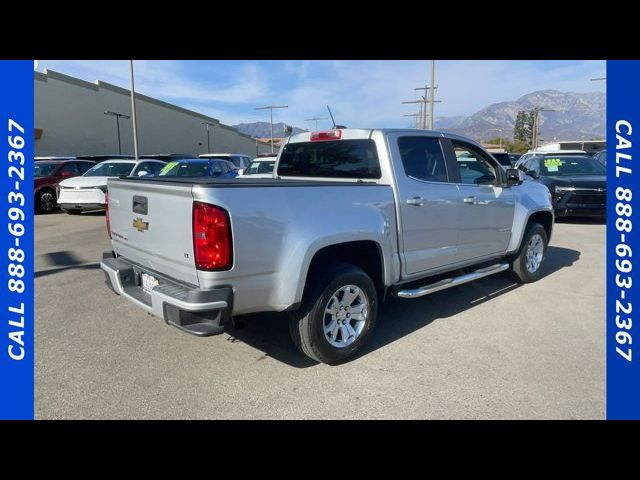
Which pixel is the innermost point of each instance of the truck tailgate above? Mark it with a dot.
(151, 225)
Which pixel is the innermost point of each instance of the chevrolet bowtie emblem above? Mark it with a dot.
(139, 225)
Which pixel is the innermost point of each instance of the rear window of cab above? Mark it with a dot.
(330, 159)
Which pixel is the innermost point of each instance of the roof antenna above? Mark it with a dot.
(334, 122)
(331, 115)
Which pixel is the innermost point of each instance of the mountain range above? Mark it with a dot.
(263, 129)
(574, 115)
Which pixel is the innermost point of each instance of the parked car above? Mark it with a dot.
(87, 192)
(260, 167)
(503, 159)
(533, 153)
(239, 160)
(514, 157)
(354, 215)
(578, 184)
(601, 156)
(199, 167)
(48, 174)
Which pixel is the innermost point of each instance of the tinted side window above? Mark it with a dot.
(331, 159)
(70, 167)
(474, 167)
(422, 158)
(217, 168)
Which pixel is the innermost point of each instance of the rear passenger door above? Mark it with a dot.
(428, 203)
(486, 207)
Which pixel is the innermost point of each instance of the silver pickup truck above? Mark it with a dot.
(351, 215)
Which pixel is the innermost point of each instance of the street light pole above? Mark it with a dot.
(133, 113)
(117, 115)
(270, 108)
(207, 124)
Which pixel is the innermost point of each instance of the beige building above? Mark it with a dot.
(70, 120)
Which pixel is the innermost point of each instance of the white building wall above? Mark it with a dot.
(70, 113)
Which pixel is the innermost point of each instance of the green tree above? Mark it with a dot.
(523, 129)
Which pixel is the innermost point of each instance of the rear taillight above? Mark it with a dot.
(328, 135)
(106, 212)
(211, 237)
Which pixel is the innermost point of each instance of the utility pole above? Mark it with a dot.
(315, 119)
(118, 116)
(423, 106)
(417, 115)
(270, 108)
(133, 113)
(534, 133)
(208, 124)
(432, 93)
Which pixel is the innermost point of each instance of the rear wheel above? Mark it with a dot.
(526, 267)
(337, 315)
(45, 201)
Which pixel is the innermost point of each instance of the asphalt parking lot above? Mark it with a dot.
(490, 349)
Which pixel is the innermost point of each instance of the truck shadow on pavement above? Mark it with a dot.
(397, 318)
(62, 261)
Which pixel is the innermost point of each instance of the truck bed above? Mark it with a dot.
(276, 230)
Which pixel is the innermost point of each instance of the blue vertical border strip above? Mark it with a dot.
(16, 235)
(623, 245)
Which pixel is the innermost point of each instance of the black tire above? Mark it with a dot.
(519, 271)
(72, 212)
(306, 325)
(45, 201)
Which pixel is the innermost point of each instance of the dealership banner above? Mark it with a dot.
(623, 247)
(16, 240)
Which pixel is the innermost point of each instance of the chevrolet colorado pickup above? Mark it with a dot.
(350, 215)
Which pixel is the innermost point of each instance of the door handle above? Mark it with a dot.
(417, 201)
(471, 200)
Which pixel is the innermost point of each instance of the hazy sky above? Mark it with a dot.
(360, 93)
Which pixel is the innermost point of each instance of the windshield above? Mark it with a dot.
(565, 166)
(185, 169)
(260, 167)
(107, 169)
(44, 169)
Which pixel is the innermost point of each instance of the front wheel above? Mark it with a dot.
(45, 201)
(526, 267)
(337, 315)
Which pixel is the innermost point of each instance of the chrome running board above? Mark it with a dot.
(452, 282)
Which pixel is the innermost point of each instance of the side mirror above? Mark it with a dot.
(513, 177)
(241, 171)
(142, 173)
(533, 174)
